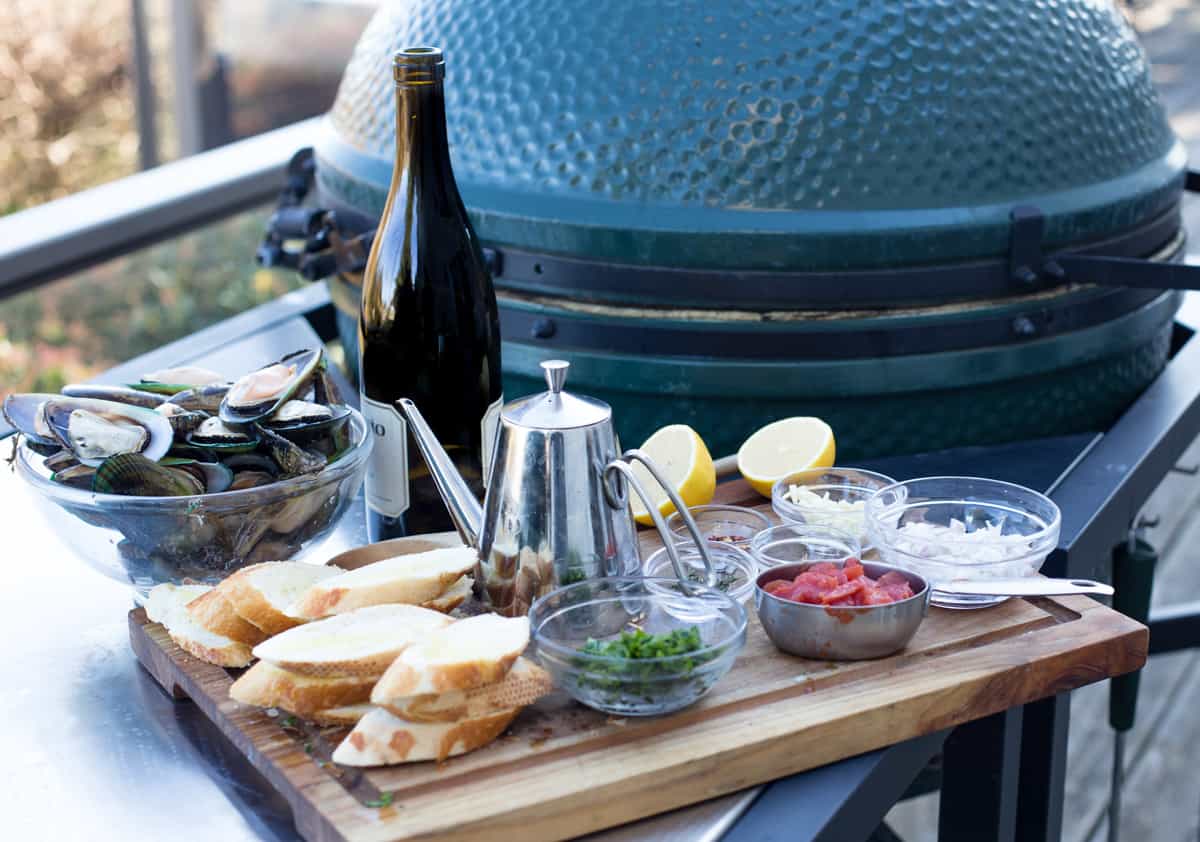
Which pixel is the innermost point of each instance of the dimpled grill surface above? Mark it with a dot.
(635, 131)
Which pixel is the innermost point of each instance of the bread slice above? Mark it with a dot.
(262, 592)
(167, 604)
(452, 597)
(411, 579)
(466, 654)
(525, 683)
(268, 686)
(215, 613)
(166, 600)
(347, 715)
(362, 643)
(381, 739)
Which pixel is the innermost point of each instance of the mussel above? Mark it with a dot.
(292, 459)
(215, 435)
(260, 394)
(133, 473)
(169, 381)
(205, 399)
(304, 421)
(118, 394)
(94, 430)
(24, 413)
(182, 421)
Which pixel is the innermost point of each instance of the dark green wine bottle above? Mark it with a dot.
(428, 326)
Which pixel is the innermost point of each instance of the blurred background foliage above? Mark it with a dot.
(68, 122)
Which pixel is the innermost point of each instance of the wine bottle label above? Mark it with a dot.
(387, 469)
(489, 427)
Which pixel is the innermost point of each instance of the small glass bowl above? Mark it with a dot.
(720, 524)
(735, 568)
(563, 621)
(929, 526)
(793, 542)
(838, 485)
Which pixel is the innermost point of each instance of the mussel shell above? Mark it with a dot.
(222, 441)
(298, 412)
(76, 476)
(158, 433)
(251, 462)
(60, 460)
(292, 459)
(118, 394)
(214, 476)
(325, 388)
(169, 381)
(134, 474)
(24, 413)
(250, 479)
(236, 411)
(182, 421)
(201, 399)
(43, 449)
(318, 435)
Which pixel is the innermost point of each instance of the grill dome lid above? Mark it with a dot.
(803, 135)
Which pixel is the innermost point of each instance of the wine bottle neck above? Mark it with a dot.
(421, 142)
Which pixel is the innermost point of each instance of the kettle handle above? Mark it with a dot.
(622, 465)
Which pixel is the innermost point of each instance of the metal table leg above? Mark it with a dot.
(981, 763)
(1043, 769)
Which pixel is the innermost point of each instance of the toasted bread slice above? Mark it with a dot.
(381, 739)
(167, 599)
(262, 592)
(362, 643)
(411, 579)
(346, 715)
(525, 683)
(268, 686)
(452, 597)
(467, 654)
(167, 604)
(215, 613)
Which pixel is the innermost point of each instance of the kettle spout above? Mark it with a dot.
(465, 510)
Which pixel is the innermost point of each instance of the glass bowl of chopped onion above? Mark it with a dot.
(965, 529)
(833, 497)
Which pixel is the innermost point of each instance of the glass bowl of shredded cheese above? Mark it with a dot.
(833, 497)
(963, 528)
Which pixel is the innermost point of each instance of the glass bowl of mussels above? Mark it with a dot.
(186, 475)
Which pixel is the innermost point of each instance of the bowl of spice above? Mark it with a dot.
(828, 497)
(635, 646)
(734, 569)
(721, 524)
(963, 528)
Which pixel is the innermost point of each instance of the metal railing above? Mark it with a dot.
(63, 236)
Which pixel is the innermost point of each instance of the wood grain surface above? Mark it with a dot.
(562, 770)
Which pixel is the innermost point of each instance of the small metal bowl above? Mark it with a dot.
(840, 632)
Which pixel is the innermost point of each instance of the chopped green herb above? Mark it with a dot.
(308, 748)
(638, 644)
(384, 800)
(726, 578)
(649, 679)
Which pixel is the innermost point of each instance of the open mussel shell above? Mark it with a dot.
(24, 413)
(134, 474)
(118, 394)
(205, 399)
(260, 394)
(292, 459)
(182, 421)
(215, 436)
(60, 460)
(93, 430)
(169, 381)
(76, 476)
(303, 422)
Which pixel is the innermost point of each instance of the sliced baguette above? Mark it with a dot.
(268, 686)
(346, 715)
(381, 739)
(215, 613)
(467, 654)
(167, 604)
(452, 597)
(362, 643)
(411, 579)
(525, 683)
(166, 600)
(261, 593)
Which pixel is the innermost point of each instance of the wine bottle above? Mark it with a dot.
(428, 325)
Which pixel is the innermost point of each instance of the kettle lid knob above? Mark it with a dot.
(556, 374)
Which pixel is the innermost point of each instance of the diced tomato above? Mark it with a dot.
(806, 592)
(853, 569)
(778, 587)
(826, 584)
(842, 593)
(825, 567)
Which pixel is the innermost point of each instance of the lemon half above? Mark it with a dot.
(785, 447)
(682, 457)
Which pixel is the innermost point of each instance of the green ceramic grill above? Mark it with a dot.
(930, 222)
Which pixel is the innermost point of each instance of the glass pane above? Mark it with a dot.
(75, 327)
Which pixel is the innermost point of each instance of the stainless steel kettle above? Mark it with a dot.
(556, 509)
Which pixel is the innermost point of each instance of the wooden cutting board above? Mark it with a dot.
(563, 770)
